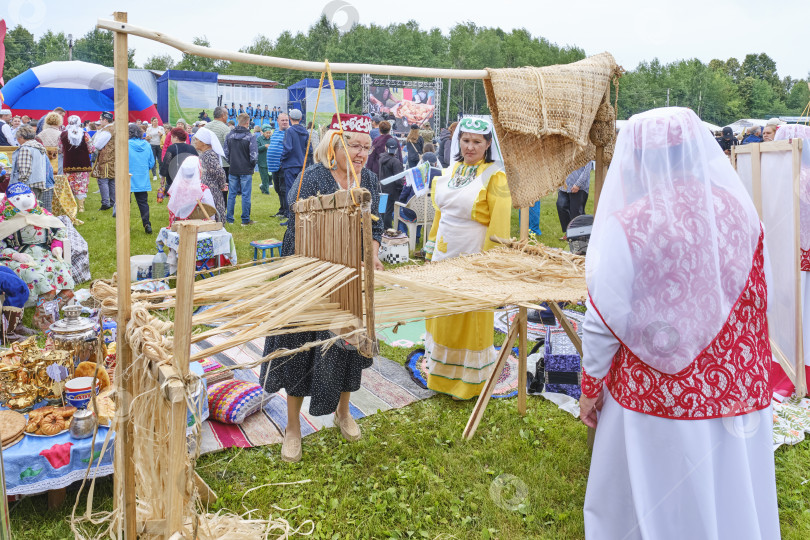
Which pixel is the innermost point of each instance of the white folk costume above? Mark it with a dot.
(797, 131)
(472, 204)
(676, 336)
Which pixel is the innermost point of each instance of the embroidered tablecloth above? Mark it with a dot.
(39, 464)
(210, 244)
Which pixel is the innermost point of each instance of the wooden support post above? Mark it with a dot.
(486, 392)
(124, 443)
(56, 498)
(522, 359)
(523, 321)
(801, 372)
(599, 176)
(178, 493)
(756, 178)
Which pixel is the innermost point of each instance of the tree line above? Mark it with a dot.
(721, 91)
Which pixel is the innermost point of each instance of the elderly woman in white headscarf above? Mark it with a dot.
(213, 175)
(186, 190)
(76, 146)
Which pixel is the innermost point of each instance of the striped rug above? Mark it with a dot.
(385, 385)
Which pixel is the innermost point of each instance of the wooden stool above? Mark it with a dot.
(264, 245)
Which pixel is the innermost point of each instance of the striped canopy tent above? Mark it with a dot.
(80, 88)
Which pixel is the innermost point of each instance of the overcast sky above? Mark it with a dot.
(631, 30)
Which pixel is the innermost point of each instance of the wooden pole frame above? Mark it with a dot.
(120, 27)
(796, 372)
(124, 460)
(123, 454)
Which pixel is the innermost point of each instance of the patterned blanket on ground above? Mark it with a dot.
(385, 385)
(791, 420)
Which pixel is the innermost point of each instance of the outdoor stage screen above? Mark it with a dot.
(406, 105)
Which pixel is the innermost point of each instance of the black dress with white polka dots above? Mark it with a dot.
(323, 375)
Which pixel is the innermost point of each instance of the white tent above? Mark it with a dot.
(738, 126)
(711, 127)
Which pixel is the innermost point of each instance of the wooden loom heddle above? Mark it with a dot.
(336, 228)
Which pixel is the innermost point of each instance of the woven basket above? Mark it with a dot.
(544, 119)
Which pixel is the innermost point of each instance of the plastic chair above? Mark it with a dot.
(423, 208)
(271, 243)
(383, 203)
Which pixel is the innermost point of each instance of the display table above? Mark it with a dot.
(39, 464)
(214, 248)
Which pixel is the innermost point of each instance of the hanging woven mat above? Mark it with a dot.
(548, 120)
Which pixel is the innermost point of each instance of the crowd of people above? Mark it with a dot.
(668, 426)
(752, 134)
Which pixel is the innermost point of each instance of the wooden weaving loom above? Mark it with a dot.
(158, 358)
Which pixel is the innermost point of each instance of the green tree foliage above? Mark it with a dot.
(192, 62)
(20, 52)
(96, 47)
(468, 46)
(159, 62)
(720, 91)
(799, 97)
(51, 48)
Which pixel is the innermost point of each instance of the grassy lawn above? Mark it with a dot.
(411, 476)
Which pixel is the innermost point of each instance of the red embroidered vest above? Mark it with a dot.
(728, 378)
(74, 158)
(805, 260)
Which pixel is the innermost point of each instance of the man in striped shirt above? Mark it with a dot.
(274, 151)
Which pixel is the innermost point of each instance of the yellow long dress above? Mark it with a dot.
(472, 204)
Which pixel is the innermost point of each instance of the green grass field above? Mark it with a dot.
(411, 476)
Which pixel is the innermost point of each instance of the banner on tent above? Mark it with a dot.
(407, 105)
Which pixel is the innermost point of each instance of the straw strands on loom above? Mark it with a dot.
(285, 295)
(500, 276)
(152, 342)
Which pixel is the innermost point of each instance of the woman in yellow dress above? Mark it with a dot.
(472, 203)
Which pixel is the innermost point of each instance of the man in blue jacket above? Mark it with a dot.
(241, 152)
(274, 162)
(292, 157)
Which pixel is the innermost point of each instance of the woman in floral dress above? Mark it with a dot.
(32, 243)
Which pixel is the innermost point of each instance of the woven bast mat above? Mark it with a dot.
(385, 385)
(549, 120)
